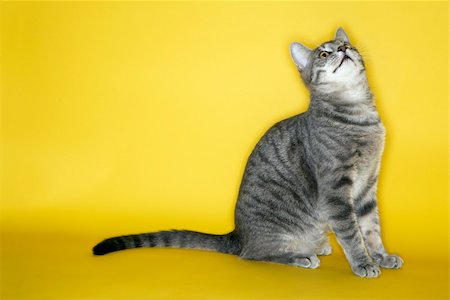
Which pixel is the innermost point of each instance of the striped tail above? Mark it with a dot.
(227, 243)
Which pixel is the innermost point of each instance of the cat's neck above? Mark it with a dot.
(355, 95)
(331, 102)
(355, 91)
(354, 108)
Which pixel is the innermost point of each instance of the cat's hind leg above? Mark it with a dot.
(285, 249)
(324, 246)
(294, 259)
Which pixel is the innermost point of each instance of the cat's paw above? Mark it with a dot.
(325, 250)
(367, 270)
(311, 262)
(390, 261)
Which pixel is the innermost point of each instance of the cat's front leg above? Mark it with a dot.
(342, 218)
(369, 222)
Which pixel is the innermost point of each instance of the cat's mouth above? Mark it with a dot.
(342, 61)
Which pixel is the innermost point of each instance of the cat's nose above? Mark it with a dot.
(341, 48)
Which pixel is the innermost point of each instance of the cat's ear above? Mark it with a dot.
(300, 55)
(341, 35)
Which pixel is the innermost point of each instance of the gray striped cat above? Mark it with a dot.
(309, 174)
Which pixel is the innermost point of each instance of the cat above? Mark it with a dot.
(309, 174)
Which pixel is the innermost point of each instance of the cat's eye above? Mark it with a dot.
(323, 54)
(347, 46)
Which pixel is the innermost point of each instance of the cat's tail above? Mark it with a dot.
(228, 243)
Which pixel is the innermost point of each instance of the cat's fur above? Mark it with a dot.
(314, 172)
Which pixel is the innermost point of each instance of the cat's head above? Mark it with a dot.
(333, 67)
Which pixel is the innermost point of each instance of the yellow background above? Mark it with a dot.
(128, 117)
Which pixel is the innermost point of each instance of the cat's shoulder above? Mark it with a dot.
(284, 130)
(290, 123)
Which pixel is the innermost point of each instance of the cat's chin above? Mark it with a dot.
(348, 71)
(344, 62)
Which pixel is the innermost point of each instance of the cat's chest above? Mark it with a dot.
(358, 147)
(365, 142)
(363, 145)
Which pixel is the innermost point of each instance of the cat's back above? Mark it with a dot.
(277, 175)
(280, 144)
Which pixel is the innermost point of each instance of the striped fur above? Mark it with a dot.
(171, 239)
(309, 174)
